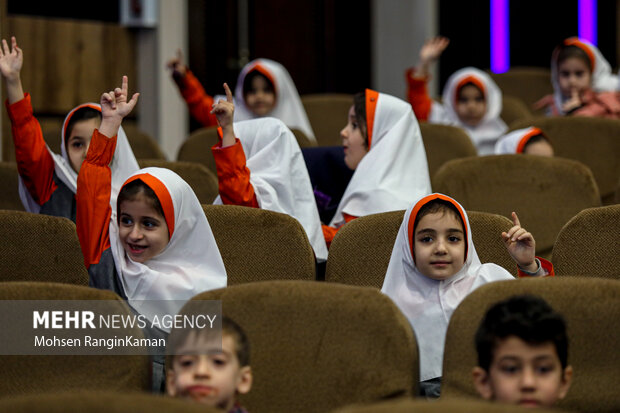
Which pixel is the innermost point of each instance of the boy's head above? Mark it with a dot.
(79, 131)
(355, 134)
(575, 64)
(206, 372)
(438, 237)
(538, 145)
(259, 92)
(471, 104)
(522, 353)
(142, 226)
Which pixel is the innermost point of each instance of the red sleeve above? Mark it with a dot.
(93, 198)
(198, 102)
(547, 267)
(418, 95)
(330, 232)
(233, 175)
(34, 162)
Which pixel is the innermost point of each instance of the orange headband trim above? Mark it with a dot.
(526, 138)
(574, 41)
(469, 79)
(265, 72)
(70, 115)
(162, 194)
(372, 97)
(426, 200)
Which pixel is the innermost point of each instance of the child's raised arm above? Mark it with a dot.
(521, 246)
(177, 68)
(224, 110)
(114, 107)
(429, 53)
(11, 61)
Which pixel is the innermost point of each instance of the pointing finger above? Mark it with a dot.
(229, 97)
(515, 219)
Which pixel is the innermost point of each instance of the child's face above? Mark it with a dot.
(142, 229)
(573, 75)
(540, 148)
(439, 245)
(524, 374)
(79, 140)
(353, 142)
(208, 376)
(260, 99)
(470, 105)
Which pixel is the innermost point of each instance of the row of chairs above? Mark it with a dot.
(316, 347)
(260, 245)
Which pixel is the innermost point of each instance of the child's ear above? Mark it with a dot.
(482, 382)
(170, 383)
(244, 384)
(567, 378)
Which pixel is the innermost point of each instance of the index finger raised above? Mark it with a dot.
(229, 97)
(515, 219)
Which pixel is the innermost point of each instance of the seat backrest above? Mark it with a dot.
(591, 309)
(199, 177)
(526, 83)
(40, 248)
(513, 109)
(443, 143)
(361, 250)
(197, 147)
(327, 113)
(591, 141)
(260, 245)
(302, 140)
(28, 375)
(544, 192)
(142, 144)
(588, 244)
(318, 346)
(9, 192)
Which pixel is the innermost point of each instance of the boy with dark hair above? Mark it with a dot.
(522, 353)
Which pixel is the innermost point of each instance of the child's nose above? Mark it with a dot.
(136, 233)
(528, 379)
(343, 132)
(203, 368)
(440, 247)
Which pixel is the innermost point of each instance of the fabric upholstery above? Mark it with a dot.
(40, 248)
(544, 192)
(260, 245)
(592, 141)
(526, 83)
(514, 109)
(302, 139)
(591, 309)
(142, 144)
(584, 244)
(9, 195)
(328, 115)
(197, 147)
(360, 252)
(199, 177)
(443, 143)
(318, 346)
(28, 375)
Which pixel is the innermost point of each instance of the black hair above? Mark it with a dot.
(132, 190)
(536, 138)
(79, 115)
(359, 107)
(249, 78)
(437, 205)
(527, 317)
(458, 92)
(565, 52)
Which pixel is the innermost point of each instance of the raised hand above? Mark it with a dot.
(432, 49)
(520, 245)
(11, 60)
(573, 102)
(114, 107)
(224, 111)
(177, 67)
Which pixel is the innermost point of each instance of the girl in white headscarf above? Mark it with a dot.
(259, 164)
(434, 266)
(528, 141)
(264, 88)
(48, 181)
(471, 99)
(383, 144)
(583, 84)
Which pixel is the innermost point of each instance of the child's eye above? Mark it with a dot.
(186, 362)
(126, 221)
(509, 369)
(77, 144)
(149, 224)
(454, 238)
(544, 369)
(425, 239)
(218, 361)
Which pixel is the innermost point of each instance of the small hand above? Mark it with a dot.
(114, 107)
(176, 66)
(573, 102)
(11, 60)
(520, 245)
(224, 111)
(432, 49)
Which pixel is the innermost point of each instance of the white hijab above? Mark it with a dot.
(428, 304)
(602, 78)
(394, 172)
(190, 263)
(515, 141)
(122, 166)
(279, 176)
(288, 107)
(491, 127)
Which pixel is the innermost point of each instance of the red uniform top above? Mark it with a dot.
(198, 102)
(34, 162)
(418, 96)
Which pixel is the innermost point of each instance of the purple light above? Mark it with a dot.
(500, 38)
(587, 20)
